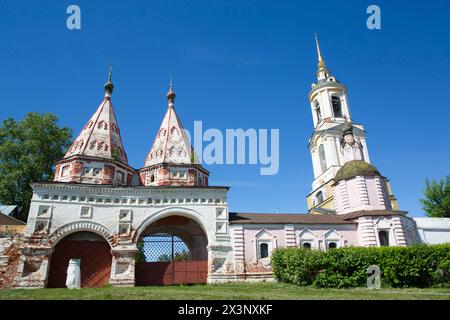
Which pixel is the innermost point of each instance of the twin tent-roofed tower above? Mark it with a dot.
(164, 223)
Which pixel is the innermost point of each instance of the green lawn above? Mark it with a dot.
(237, 291)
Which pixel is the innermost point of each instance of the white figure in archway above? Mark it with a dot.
(73, 280)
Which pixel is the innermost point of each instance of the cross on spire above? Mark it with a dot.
(109, 87)
(171, 94)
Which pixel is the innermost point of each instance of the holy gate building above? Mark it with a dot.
(165, 224)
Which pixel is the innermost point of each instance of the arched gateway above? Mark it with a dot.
(172, 250)
(164, 223)
(95, 255)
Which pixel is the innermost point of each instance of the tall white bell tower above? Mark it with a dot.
(330, 112)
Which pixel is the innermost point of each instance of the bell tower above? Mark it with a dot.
(331, 114)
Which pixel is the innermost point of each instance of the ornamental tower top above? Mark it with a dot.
(97, 155)
(172, 160)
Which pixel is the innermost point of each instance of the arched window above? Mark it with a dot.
(318, 113)
(319, 197)
(383, 235)
(337, 108)
(332, 245)
(306, 245)
(152, 178)
(323, 161)
(263, 250)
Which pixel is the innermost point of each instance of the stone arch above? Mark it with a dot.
(173, 211)
(166, 234)
(79, 226)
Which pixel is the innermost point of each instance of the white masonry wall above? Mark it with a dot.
(433, 230)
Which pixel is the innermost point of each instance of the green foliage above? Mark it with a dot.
(437, 198)
(413, 266)
(28, 151)
(140, 256)
(178, 256)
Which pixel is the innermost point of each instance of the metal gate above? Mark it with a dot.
(165, 259)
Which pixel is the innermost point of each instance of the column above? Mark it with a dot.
(289, 234)
(33, 268)
(238, 246)
(123, 265)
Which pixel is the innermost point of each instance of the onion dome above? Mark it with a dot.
(356, 168)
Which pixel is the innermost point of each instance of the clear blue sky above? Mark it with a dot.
(242, 64)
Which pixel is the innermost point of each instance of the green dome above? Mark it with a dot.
(355, 168)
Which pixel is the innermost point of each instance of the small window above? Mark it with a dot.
(323, 161)
(306, 245)
(383, 235)
(65, 171)
(337, 109)
(263, 250)
(86, 170)
(120, 177)
(332, 245)
(152, 178)
(319, 197)
(96, 172)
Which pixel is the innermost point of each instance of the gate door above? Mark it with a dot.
(165, 259)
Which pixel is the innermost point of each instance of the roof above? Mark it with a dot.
(356, 168)
(285, 218)
(171, 144)
(303, 218)
(366, 213)
(100, 137)
(8, 210)
(6, 220)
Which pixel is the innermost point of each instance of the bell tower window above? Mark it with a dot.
(323, 162)
(318, 113)
(337, 108)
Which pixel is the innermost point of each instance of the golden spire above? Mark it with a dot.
(321, 63)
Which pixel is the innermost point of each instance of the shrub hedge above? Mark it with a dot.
(412, 266)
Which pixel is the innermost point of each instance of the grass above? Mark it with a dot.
(238, 291)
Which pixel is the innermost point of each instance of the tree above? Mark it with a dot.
(28, 151)
(437, 198)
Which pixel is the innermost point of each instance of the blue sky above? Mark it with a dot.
(242, 64)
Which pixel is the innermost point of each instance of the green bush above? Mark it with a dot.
(413, 266)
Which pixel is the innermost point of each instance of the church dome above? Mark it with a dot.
(355, 168)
